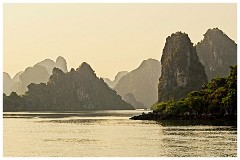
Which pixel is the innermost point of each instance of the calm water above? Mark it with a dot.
(111, 133)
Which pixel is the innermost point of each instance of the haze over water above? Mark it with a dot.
(111, 133)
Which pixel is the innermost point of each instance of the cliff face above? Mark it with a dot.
(181, 70)
(71, 91)
(141, 82)
(217, 52)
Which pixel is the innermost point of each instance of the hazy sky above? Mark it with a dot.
(110, 37)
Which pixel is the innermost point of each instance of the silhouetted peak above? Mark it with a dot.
(61, 63)
(57, 70)
(213, 31)
(120, 74)
(85, 65)
(60, 58)
(46, 62)
(72, 70)
(217, 35)
(217, 52)
(178, 37)
(6, 75)
(148, 62)
(85, 68)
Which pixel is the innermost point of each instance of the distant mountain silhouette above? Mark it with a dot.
(141, 82)
(7, 83)
(217, 52)
(113, 83)
(36, 74)
(16, 77)
(129, 98)
(71, 91)
(50, 64)
(39, 73)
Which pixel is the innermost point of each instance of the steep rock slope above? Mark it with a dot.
(217, 52)
(141, 82)
(181, 70)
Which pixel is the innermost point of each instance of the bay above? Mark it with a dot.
(112, 134)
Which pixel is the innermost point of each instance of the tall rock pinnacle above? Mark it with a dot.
(181, 70)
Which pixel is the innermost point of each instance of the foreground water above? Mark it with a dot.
(111, 133)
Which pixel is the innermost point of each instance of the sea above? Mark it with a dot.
(110, 133)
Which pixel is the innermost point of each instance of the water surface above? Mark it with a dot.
(111, 133)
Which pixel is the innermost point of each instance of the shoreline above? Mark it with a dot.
(156, 117)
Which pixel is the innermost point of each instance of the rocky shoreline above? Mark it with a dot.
(157, 116)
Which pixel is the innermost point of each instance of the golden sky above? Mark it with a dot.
(110, 37)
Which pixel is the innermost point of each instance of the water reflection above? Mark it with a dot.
(197, 122)
(111, 133)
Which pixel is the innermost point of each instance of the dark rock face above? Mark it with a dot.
(72, 91)
(181, 70)
(113, 83)
(217, 52)
(141, 82)
(129, 98)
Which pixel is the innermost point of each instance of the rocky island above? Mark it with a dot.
(76, 90)
(184, 93)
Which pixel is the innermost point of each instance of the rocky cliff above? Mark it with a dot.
(181, 70)
(217, 52)
(78, 89)
(141, 82)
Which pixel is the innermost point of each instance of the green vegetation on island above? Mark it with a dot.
(216, 100)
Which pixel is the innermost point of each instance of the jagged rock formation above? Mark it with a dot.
(141, 82)
(39, 73)
(113, 83)
(71, 91)
(181, 70)
(129, 98)
(217, 52)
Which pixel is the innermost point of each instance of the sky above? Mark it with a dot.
(109, 37)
